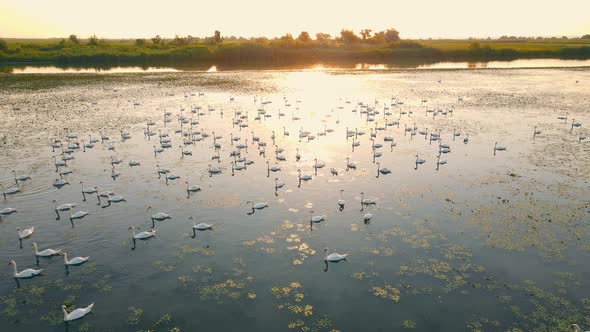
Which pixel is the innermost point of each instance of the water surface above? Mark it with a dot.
(486, 242)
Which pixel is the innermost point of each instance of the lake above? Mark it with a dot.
(475, 238)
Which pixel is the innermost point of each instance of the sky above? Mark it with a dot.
(272, 18)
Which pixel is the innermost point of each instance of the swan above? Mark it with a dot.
(46, 252)
(297, 155)
(318, 165)
(75, 260)
(63, 207)
(466, 139)
(162, 170)
(159, 216)
(28, 273)
(316, 219)
(142, 235)
(20, 177)
(7, 210)
(383, 170)
(366, 201)
(134, 163)
(304, 177)
(367, 217)
(419, 161)
(10, 191)
(334, 257)
(78, 214)
(258, 206)
(341, 201)
(58, 183)
(576, 328)
(498, 148)
(278, 184)
(193, 188)
(25, 232)
(76, 314)
(92, 190)
(202, 226)
(350, 164)
(272, 169)
(213, 170)
(115, 199)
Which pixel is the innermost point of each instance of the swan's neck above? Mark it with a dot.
(14, 266)
(65, 313)
(36, 250)
(65, 258)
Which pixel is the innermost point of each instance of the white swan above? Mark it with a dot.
(76, 314)
(367, 217)
(419, 161)
(193, 188)
(46, 252)
(78, 214)
(159, 216)
(366, 201)
(200, 227)
(316, 219)
(350, 164)
(576, 328)
(258, 206)
(20, 177)
(75, 260)
(63, 207)
(305, 177)
(341, 201)
(142, 235)
(278, 184)
(213, 170)
(28, 273)
(8, 210)
(9, 191)
(383, 170)
(25, 232)
(318, 165)
(334, 257)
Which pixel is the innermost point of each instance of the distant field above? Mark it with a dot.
(130, 52)
(552, 45)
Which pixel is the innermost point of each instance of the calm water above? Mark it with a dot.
(521, 63)
(485, 242)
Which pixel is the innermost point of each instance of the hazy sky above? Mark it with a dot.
(413, 18)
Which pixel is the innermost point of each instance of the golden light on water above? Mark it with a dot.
(414, 19)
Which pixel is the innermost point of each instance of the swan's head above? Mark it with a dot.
(325, 249)
(130, 227)
(64, 307)
(12, 263)
(34, 244)
(18, 229)
(248, 202)
(575, 328)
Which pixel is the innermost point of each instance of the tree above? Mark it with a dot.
(348, 37)
(474, 46)
(586, 36)
(366, 33)
(3, 45)
(93, 40)
(217, 37)
(322, 36)
(391, 35)
(139, 42)
(378, 38)
(304, 36)
(74, 39)
(287, 36)
(157, 40)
